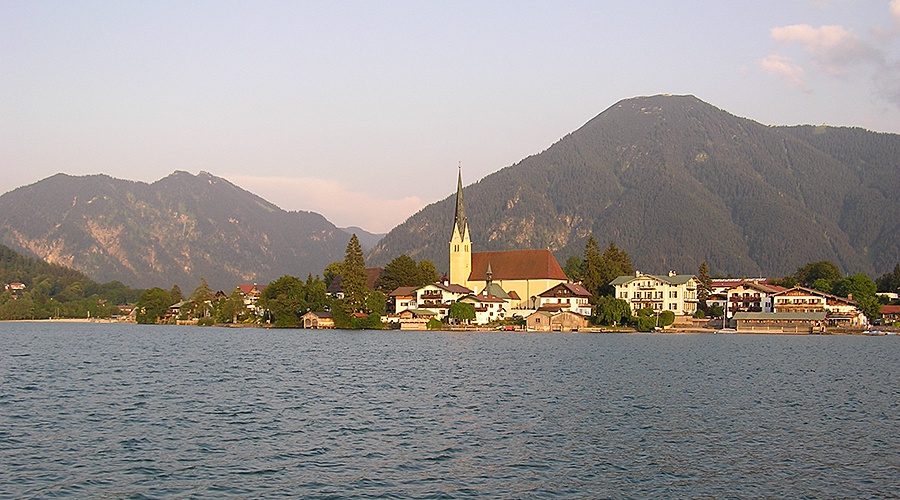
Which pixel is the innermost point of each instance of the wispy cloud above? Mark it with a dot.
(836, 52)
(338, 204)
(833, 48)
(782, 67)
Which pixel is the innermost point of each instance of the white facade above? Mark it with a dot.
(672, 292)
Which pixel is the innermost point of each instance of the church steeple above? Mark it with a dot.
(460, 244)
(459, 217)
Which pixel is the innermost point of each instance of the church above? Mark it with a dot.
(523, 274)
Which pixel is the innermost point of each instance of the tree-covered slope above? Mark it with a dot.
(175, 231)
(673, 181)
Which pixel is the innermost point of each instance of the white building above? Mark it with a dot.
(671, 292)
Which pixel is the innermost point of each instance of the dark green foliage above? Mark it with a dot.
(427, 272)
(666, 318)
(574, 269)
(704, 283)
(612, 311)
(824, 270)
(434, 324)
(462, 312)
(890, 282)
(232, 309)
(332, 271)
(676, 182)
(614, 263)
(57, 291)
(152, 305)
(353, 277)
(176, 294)
(402, 271)
(593, 269)
(284, 301)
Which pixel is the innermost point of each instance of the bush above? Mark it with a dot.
(208, 321)
(434, 324)
(666, 318)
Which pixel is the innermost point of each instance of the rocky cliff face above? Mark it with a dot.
(175, 231)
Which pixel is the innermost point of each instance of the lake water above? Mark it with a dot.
(130, 411)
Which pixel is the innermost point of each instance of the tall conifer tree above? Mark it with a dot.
(353, 277)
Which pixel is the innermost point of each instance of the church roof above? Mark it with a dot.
(516, 265)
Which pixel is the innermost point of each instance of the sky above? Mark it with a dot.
(362, 111)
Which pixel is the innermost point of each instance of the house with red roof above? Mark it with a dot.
(566, 296)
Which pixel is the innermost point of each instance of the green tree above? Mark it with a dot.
(613, 263)
(353, 277)
(890, 282)
(316, 294)
(666, 318)
(574, 269)
(823, 285)
(284, 301)
(402, 271)
(823, 269)
(200, 305)
(704, 283)
(858, 285)
(176, 294)
(232, 309)
(376, 303)
(152, 305)
(612, 311)
(427, 272)
(593, 269)
(462, 312)
(21, 308)
(332, 271)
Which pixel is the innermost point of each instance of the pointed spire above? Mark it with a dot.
(459, 219)
(490, 275)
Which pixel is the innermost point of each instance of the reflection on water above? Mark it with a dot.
(136, 411)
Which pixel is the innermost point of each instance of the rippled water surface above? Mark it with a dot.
(118, 411)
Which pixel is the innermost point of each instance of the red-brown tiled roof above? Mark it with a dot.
(890, 309)
(516, 265)
(404, 291)
(575, 289)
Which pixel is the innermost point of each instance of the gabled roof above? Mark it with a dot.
(568, 290)
(810, 291)
(516, 265)
(759, 286)
(452, 288)
(403, 291)
(495, 290)
(484, 299)
(678, 279)
(888, 309)
(246, 289)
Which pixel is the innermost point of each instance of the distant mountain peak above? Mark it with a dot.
(675, 181)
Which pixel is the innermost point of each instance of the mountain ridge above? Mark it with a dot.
(673, 181)
(176, 230)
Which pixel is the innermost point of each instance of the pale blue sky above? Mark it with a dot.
(361, 111)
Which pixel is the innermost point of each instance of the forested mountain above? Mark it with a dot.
(174, 231)
(675, 181)
(52, 290)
